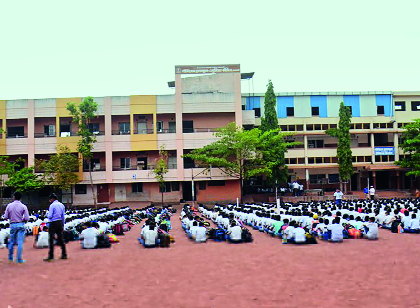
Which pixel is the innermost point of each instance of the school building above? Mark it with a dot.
(130, 130)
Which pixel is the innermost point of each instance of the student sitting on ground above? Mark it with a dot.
(336, 230)
(89, 236)
(413, 225)
(299, 235)
(148, 237)
(41, 240)
(235, 233)
(200, 234)
(372, 232)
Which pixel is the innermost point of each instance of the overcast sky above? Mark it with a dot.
(101, 48)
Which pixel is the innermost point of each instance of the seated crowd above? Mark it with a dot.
(155, 231)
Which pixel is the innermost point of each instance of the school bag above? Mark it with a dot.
(220, 235)
(212, 233)
(118, 229)
(113, 238)
(354, 233)
(103, 241)
(165, 240)
(246, 236)
(394, 226)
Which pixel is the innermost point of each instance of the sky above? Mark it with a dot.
(114, 48)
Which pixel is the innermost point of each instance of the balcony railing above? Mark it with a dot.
(99, 133)
(121, 132)
(68, 134)
(143, 131)
(94, 169)
(43, 135)
(166, 131)
(199, 130)
(148, 167)
(17, 136)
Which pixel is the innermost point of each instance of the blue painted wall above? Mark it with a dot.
(282, 103)
(354, 102)
(321, 102)
(253, 102)
(386, 101)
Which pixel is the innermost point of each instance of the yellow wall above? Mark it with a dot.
(61, 104)
(143, 104)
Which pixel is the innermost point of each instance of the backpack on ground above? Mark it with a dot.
(246, 236)
(165, 240)
(103, 241)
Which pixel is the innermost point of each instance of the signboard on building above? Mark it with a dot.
(207, 69)
(384, 151)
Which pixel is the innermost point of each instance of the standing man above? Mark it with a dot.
(338, 196)
(295, 187)
(372, 193)
(56, 227)
(17, 213)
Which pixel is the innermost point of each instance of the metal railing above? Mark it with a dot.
(43, 135)
(199, 130)
(143, 131)
(17, 136)
(120, 132)
(166, 131)
(148, 167)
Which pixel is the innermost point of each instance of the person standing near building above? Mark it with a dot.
(338, 195)
(295, 187)
(372, 193)
(366, 192)
(56, 227)
(17, 213)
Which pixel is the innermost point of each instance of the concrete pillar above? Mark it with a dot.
(179, 134)
(305, 148)
(31, 132)
(372, 144)
(374, 179)
(108, 139)
(396, 145)
(307, 178)
(398, 180)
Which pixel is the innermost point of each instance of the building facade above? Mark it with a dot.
(130, 130)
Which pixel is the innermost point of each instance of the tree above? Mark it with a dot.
(273, 153)
(410, 144)
(161, 168)
(6, 169)
(270, 120)
(25, 180)
(60, 170)
(82, 114)
(240, 153)
(344, 153)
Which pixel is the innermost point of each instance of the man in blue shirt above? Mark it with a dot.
(56, 227)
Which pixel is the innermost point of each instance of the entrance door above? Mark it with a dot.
(187, 191)
(103, 194)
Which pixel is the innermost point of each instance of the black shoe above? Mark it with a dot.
(64, 257)
(48, 259)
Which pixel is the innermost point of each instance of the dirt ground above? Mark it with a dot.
(265, 273)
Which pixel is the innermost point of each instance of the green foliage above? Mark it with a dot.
(342, 133)
(82, 114)
(243, 153)
(60, 170)
(410, 144)
(6, 168)
(270, 120)
(161, 167)
(25, 180)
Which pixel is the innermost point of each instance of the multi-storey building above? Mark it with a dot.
(130, 130)
(377, 123)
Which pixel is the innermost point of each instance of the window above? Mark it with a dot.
(400, 106)
(15, 132)
(124, 128)
(95, 164)
(415, 106)
(159, 126)
(125, 162)
(166, 187)
(188, 163)
(175, 186)
(49, 130)
(290, 111)
(80, 189)
(333, 178)
(141, 163)
(315, 144)
(172, 127)
(136, 187)
(65, 130)
(380, 110)
(94, 128)
(217, 183)
(316, 178)
(299, 128)
(187, 126)
(202, 185)
(257, 112)
(315, 111)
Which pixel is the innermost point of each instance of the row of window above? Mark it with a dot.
(324, 127)
(323, 179)
(400, 106)
(334, 160)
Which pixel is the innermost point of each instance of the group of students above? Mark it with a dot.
(94, 228)
(305, 222)
(155, 231)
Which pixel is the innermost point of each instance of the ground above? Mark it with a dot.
(265, 273)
